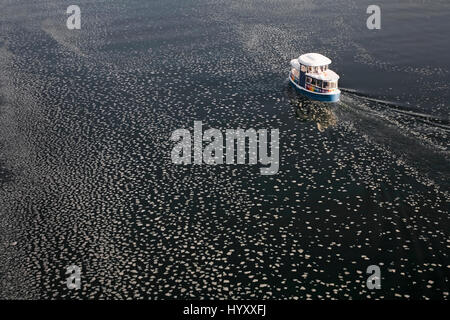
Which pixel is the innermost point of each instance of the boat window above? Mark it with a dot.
(303, 68)
(326, 84)
(309, 69)
(308, 79)
(314, 82)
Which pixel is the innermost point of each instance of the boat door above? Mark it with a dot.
(302, 81)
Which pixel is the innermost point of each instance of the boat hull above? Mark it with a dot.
(325, 97)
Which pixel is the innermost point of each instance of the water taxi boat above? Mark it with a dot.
(310, 76)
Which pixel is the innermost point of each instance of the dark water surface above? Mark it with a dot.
(86, 176)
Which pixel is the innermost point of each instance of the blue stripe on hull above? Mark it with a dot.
(318, 97)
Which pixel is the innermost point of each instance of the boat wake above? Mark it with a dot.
(401, 109)
(417, 138)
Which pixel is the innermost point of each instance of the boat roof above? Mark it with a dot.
(328, 75)
(295, 64)
(314, 60)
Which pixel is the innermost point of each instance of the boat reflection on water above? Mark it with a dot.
(308, 110)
